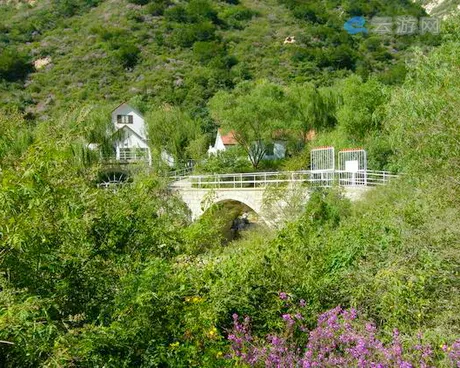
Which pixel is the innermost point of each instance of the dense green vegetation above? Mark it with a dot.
(182, 54)
(122, 278)
(160, 55)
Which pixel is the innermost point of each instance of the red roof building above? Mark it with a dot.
(227, 139)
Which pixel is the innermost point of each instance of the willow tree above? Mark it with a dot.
(173, 130)
(360, 113)
(311, 108)
(253, 112)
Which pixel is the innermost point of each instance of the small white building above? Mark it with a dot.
(274, 151)
(130, 138)
(131, 142)
(223, 142)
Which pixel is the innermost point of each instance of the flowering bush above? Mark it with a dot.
(341, 339)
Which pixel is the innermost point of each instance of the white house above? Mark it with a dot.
(131, 138)
(223, 142)
(274, 151)
(131, 142)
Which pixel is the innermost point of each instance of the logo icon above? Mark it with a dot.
(355, 25)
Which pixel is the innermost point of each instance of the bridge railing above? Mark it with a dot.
(326, 178)
(180, 174)
(367, 178)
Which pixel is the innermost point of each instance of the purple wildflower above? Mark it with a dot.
(341, 339)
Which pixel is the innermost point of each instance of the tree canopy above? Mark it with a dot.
(253, 112)
(172, 130)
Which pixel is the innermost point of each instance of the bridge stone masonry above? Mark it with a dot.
(200, 192)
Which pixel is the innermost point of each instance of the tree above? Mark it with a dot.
(128, 55)
(311, 107)
(253, 112)
(173, 130)
(13, 65)
(358, 114)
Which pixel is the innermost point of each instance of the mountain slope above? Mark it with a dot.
(182, 53)
(441, 8)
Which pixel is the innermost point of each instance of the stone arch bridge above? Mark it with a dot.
(200, 192)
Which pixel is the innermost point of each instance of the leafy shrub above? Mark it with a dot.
(128, 55)
(326, 208)
(15, 137)
(69, 8)
(395, 75)
(207, 232)
(94, 242)
(311, 12)
(187, 35)
(174, 131)
(202, 11)
(232, 160)
(206, 51)
(340, 57)
(196, 11)
(14, 65)
(271, 165)
(362, 101)
(177, 14)
(237, 16)
(139, 2)
(157, 7)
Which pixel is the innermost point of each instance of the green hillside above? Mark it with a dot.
(440, 8)
(123, 278)
(181, 53)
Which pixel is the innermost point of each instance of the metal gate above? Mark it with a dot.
(352, 167)
(322, 165)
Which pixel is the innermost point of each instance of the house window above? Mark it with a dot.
(270, 149)
(124, 119)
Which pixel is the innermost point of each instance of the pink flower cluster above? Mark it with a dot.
(341, 339)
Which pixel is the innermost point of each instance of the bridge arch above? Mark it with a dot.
(247, 198)
(225, 202)
(237, 208)
(233, 204)
(200, 200)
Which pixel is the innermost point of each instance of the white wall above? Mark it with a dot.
(168, 159)
(279, 151)
(138, 124)
(218, 146)
(137, 138)
(130, 140)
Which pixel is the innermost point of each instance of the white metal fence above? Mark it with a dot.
(180, 174)
(307, 178)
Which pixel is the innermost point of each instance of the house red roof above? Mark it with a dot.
(229, 138)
